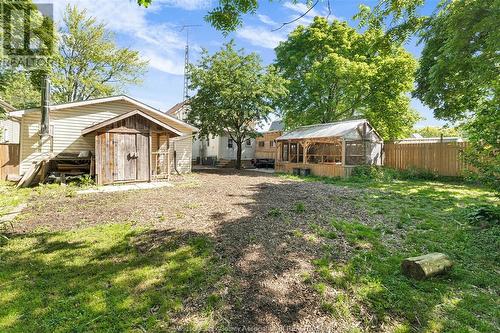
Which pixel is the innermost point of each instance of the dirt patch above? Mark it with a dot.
(259, 223)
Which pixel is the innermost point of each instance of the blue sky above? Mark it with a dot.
(155, 33)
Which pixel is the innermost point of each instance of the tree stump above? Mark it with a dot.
(422, 267)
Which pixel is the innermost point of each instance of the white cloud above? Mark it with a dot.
(187, 4)
(301, 8)
(160, 43)
(264, 36)
(260, 36)
(172, 65)
(266, 19)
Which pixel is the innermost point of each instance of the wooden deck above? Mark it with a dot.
(321, 170)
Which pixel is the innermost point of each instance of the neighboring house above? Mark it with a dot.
(128, 140)
(9, 128)
(329, 149)
(276, 126)
(266, 142)
(214, 150)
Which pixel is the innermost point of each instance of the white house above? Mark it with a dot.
(9, 128)
(214, 150)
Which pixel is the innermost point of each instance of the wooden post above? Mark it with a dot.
(98, 159)
(305, 146)
(168, 157)
(343, 152)
(289, 150)
(150, 144)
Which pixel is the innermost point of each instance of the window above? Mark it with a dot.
(296, 154)
(229, 143)
(248, 142)
(272, 143)
(293, 152)
(354, 153)
(284, 152)
(261, 144)
(324, 153)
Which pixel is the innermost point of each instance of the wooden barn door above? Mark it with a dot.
(125, 168)
(142, 144)
(131, 157)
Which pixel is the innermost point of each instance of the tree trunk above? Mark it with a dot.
(239, 143)
(427, 265)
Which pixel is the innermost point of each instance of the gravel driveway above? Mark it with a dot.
(261, 226)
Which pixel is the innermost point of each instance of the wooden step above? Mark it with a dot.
(224, 164)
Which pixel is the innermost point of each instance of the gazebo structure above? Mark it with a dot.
(330, 150)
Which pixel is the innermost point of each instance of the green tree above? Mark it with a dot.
(459, 76)
(89, 64)
(398, 18)
(234, 92)
(436, 132)
(458, 72)
(227, 15)
(335, 73)
(16, 86)
(18, 90)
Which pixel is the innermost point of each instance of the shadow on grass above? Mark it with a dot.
(415, 218)
(112, 278)
(387, 222)
(335, 262)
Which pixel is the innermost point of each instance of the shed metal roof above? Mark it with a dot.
(337, 129)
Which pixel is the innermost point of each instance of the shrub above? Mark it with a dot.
(84, 181)
(484, 216)
(368, 172)
(300, 207)
(373, 172)
(417, 174)
(274, 212)
(487, 171)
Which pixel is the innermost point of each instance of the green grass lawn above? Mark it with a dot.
(112, 278)
(10, 197)
(416, 217)
(124, 277)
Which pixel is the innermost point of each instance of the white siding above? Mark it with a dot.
(247, 153)
(218, 148)
(202, 150)
(183, 148)
(66, 125)
(9, 131)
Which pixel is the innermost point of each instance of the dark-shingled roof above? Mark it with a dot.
(276, 125)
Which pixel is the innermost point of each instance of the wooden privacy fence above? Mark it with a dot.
(9, 160)
(443, 158)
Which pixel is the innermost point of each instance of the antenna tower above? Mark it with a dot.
(185, 92)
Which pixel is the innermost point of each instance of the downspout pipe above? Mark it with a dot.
(45, 102)
(175, 159)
